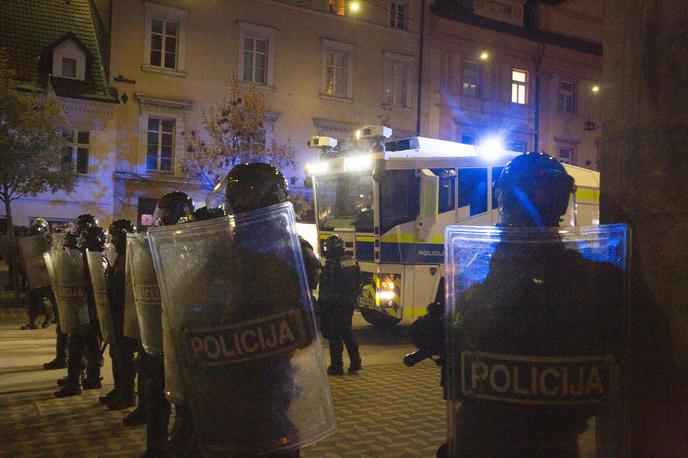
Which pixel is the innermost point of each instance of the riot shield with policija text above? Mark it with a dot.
(536, 325)
(96, 266)
(241, 321)
(31, 250)
(68, 277)
(146, 293)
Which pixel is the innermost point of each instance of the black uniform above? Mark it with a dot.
(84, 346)
(122, 348)
(340, 284)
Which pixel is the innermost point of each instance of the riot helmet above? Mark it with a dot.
(334, 247)
(253, 186)
(172, 207)
(533, 190)
(92, 239)
(83, 222)
(118, 234)
(40, 227)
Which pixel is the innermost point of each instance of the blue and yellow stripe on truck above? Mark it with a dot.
(401, 249)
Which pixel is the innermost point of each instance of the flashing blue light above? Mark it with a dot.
(491, 148)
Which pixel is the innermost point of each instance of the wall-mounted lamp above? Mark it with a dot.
(484, 55)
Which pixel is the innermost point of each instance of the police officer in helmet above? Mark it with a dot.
(539, 301)
(42, 297)
(340, 284)
(172, 208)
(122, 348)
(251, 187)
(84, 345)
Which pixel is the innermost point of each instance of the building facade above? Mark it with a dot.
(324, 68)
(524, 72)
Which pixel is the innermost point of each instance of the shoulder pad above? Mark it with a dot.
(348, 262)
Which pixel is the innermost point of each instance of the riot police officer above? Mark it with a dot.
(340, 284)
(40, 298)
(172, 208)
(535, 312)
(122, 348)
(84, 345)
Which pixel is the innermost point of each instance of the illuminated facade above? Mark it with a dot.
(323, 68)
(485, 58)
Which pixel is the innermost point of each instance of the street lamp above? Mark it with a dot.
(354, 7)
(484, 55)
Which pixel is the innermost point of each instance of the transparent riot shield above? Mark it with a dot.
(96, 267)
(174, 386)
(536, 330)
(241, 321)
(131, 321)
(146, 293)
(66, 271)
(31, 250)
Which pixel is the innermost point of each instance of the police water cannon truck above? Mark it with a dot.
(392, 201)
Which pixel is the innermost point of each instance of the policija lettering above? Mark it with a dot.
(245, 341)
(537, 379)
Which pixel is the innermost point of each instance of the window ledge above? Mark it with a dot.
(336, 99)
(400, 108)
(163, 71)
(251, 84)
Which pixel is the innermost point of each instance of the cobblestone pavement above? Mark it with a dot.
(387, 410)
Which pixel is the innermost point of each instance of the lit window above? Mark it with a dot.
(68, 67)
(471, 78)
(399, 15)
(75, 155)
(519, 82)
(567, 97)
(337, 69)
(160, 144)
(337, 7)
(397, 82)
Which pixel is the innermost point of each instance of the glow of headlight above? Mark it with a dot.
(386, 295)
(491, 148)
(317, 168)
(357, 163)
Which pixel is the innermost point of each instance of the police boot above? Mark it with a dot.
(71, 385)
(48, 313)
(181, 436)
(354, 356)
(55, 364)
(138, 416)
(336, 363)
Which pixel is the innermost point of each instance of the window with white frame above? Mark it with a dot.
(75, 155)
(399, 15)
(566, 155)
(337, 69)
(165, 40)
(256, 53)
(519, 85)
(160, 143)
(471, 78)
(397, 81)
(567, 97)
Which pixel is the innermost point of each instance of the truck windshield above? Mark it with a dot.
(345, 201)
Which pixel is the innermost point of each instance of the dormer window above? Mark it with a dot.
(68, 68)
(69, 60)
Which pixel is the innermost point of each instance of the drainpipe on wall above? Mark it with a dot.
(420, 65)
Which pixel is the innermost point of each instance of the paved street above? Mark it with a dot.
(386, 410)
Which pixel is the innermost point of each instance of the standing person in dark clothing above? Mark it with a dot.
(84, 345)
(340, 284)
(122, 348)
(40, 294)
